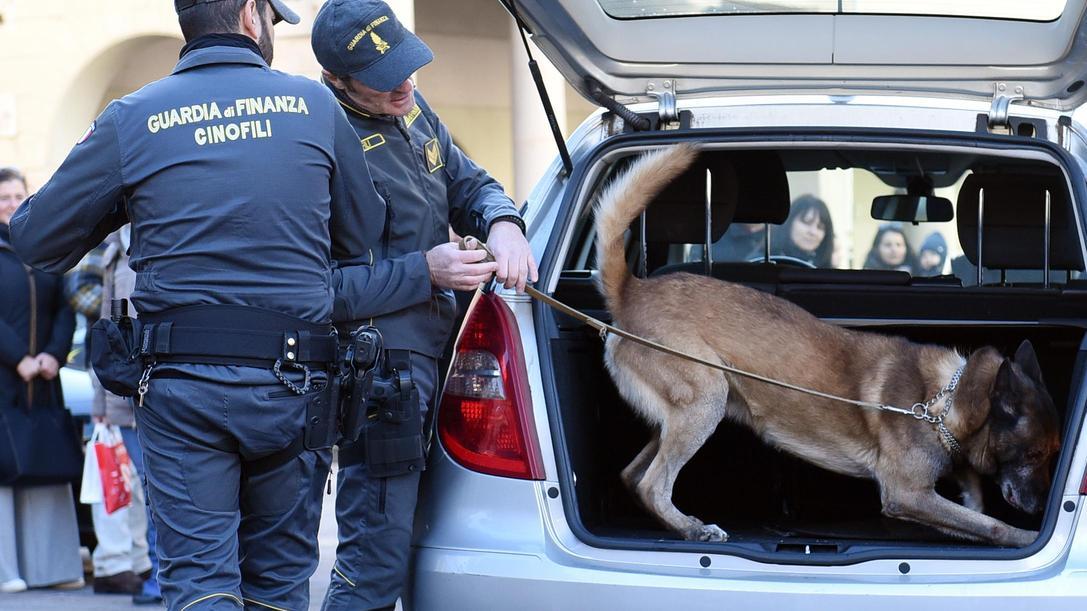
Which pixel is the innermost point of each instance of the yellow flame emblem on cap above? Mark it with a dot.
(379, 43)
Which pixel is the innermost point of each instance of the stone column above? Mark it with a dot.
(533, 145)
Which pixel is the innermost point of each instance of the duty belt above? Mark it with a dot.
(235, 335)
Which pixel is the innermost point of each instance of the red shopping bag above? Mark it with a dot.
(113, 466)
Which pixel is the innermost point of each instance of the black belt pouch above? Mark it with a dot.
(394, 432)
(354, 406)
(115, 355)
(322, 407)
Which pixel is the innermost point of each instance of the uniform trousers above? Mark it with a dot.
(374, 516)
(230, 538)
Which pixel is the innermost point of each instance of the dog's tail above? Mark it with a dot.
(623, 200)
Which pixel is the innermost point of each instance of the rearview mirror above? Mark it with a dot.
(912, 208)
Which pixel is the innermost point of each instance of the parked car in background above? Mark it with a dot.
(852, 103)
(75, 377)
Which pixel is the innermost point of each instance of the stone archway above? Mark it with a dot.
(113, 73)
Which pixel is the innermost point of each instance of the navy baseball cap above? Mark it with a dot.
(363, 39)
(282, 12)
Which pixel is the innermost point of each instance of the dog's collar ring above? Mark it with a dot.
(920, 412)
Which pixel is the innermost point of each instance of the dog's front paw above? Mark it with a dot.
(711, 532)
(1017, 537)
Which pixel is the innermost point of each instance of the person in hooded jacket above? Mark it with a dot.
(932, 256)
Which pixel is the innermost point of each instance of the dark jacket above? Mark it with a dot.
(428, 184)
(234, 178)
(34, 318)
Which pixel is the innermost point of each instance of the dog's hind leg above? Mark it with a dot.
(633, 472)
(684, 430)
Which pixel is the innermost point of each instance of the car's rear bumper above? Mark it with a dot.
(454, 579)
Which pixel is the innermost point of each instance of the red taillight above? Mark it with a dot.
(1083, 485)
(485, 418)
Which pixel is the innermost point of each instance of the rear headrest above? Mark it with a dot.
(1014, 222)
(678, 214)
(763, 188)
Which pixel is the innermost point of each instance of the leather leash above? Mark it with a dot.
(920, 411)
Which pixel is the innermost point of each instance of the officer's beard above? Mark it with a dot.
(265, 44)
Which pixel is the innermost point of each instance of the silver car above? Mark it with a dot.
(948, 179)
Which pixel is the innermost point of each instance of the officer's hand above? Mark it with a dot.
(28, 368)
(461, 270)
(516, 266)
(49, 367)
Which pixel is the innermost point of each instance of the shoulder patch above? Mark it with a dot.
(372, 142)
(412, 115)
(433, 155)
(87, 134)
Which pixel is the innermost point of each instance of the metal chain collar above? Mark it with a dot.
(920, 411)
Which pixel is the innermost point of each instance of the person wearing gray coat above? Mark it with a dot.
(124, 559)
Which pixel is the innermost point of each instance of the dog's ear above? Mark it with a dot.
(1006, 391)
(1028, 361)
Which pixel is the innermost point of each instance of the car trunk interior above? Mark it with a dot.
(767, 500)
(758, 494)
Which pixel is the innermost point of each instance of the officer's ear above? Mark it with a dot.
(334, 80)
(249, 21)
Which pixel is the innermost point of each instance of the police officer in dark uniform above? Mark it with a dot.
(428, 184)
(241, 184)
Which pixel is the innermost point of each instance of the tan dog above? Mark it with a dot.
(1002, 415)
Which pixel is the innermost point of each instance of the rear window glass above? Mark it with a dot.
(832, 209)
(830, 226)
(1038, 10)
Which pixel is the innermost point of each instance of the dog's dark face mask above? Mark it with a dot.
(1024, 435)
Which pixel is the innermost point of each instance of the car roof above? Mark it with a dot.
(967, 57)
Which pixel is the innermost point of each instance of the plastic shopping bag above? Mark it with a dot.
(113, 468)
(90, 489)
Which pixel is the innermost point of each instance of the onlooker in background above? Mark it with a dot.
(891, 250)
(39, 539)
(124, 560)
(808, 233)
(932, 256)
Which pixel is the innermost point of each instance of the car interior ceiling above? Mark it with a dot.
(775, 496)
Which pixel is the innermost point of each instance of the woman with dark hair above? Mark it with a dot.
(39, 540)
(808, 233)
(891, 250)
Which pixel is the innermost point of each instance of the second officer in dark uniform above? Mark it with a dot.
(429, 184)
(241, 184)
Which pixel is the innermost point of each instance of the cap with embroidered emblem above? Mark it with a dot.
(282, 11)
(363, 39)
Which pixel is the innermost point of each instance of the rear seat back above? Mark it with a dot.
(761, 196)
(678, 214)
(1013, 224)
